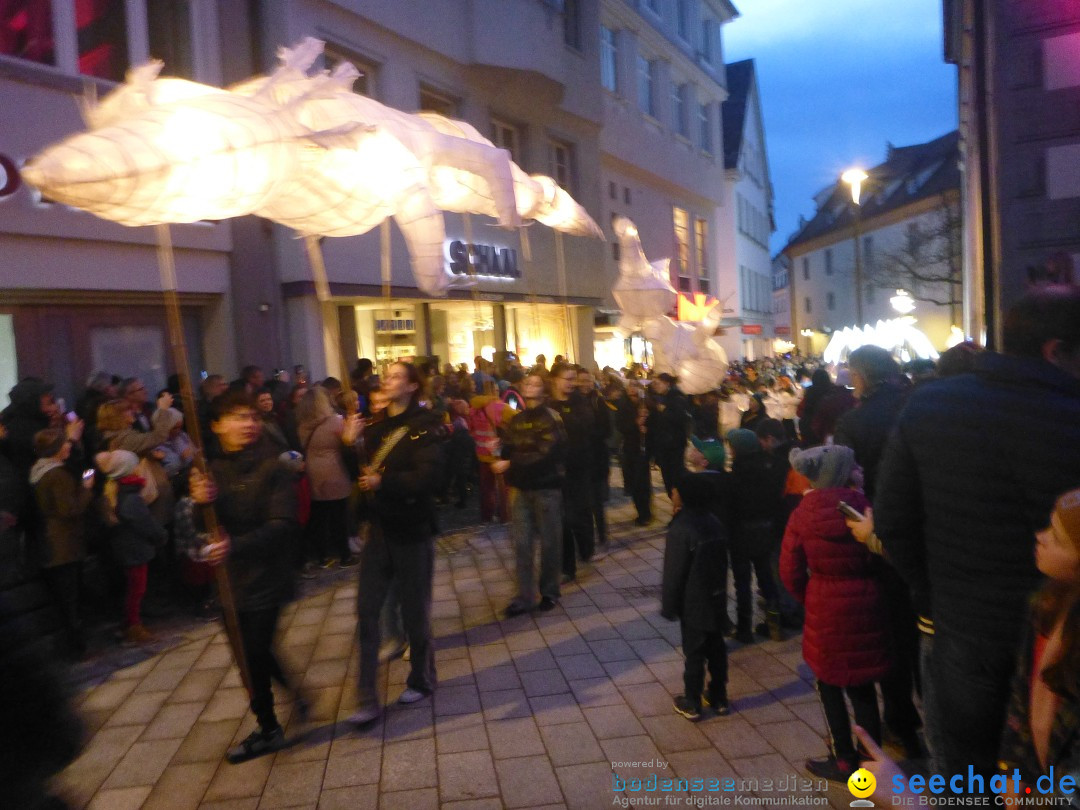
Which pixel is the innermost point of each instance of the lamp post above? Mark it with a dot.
(855, 178)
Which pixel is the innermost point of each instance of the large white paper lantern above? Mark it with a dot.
(642, 290)
(688, 352)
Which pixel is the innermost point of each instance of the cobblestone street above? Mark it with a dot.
(541, 710)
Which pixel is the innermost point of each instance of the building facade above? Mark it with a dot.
(1018, 77)
(904, 234)
(746, 223)
(662, 82)
(78, 293)
(781, 303)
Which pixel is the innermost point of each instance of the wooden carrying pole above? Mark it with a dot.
(167, 269)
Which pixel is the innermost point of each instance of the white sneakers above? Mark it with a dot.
(361, 717)
(411, 695)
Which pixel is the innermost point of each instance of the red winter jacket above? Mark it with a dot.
(845, 637)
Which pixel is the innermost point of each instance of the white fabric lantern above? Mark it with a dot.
(642, 291)
(688, 352)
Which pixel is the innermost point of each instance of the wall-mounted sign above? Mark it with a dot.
(486, 261)
(694, 310)
(751, 328)
(782, 330)
(10, 179)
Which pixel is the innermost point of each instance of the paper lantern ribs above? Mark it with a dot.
(302, 150)
(642, 291)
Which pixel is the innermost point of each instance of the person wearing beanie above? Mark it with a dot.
(694, 591)
(135, 536)
(1042, 725)
(62, 503)
(845, 637)
(756, 503)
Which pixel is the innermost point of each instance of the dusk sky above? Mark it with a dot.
(838, 80)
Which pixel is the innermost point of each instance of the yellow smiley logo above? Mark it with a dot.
(861, 783)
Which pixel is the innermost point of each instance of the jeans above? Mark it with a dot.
(971, 677)
(931, 732)
(411, 566)
(536, 514)
(865, 707)
(578, 539)
(701, 647)
(257, 629)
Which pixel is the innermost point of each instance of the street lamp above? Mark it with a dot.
(902, 302)
(855, 179)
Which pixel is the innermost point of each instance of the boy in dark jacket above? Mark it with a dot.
(695, 576)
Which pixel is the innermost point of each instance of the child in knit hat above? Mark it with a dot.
(1042, 729)
(135, 535)
(845, 638)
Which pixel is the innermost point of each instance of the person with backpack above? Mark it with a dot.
(694, 591)
(135, 538)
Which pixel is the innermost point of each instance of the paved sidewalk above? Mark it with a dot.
(530, 712)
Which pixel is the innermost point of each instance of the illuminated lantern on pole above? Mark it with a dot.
(642, 291)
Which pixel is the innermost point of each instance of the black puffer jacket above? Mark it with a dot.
(403, 503)
(256, 505)
(695, 570)
(579, 420)
(969, 475)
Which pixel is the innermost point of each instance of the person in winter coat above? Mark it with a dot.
(668, 428)
(402, 469)
(969, 475)
(488, 416)
(135, 537)
(695, 593)
(116, 426)
(757, 486)
(532, 462)
(579, 540)
(845, 634)
(821, 386)
(178, 451)
(325, 435)
(631, 416)
(601, 467)
(62, 503)
(32, 408)
(255, 501)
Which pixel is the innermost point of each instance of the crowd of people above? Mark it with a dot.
(890, 514)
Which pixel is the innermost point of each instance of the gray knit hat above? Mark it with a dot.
(117, 464)
(826, 467)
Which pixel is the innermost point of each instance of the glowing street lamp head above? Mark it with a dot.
(902, 302)
(855, 178)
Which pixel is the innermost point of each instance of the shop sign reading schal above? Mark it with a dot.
(481, 260)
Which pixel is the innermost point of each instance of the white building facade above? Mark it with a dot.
(746, 223)
(909, 238)
(661, 144)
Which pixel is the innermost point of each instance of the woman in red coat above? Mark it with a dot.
(845, 638)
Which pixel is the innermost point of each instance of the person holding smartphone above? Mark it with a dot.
(62, 502)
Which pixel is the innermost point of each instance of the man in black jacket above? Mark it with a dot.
(533, 453)
(598, 480)
(255, 502)
(668, 428)
(969, 475)
(578, 538)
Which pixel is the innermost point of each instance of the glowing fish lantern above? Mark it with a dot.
(642, 291)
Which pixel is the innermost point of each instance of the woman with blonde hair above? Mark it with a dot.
(324, 435)
(115, 425)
